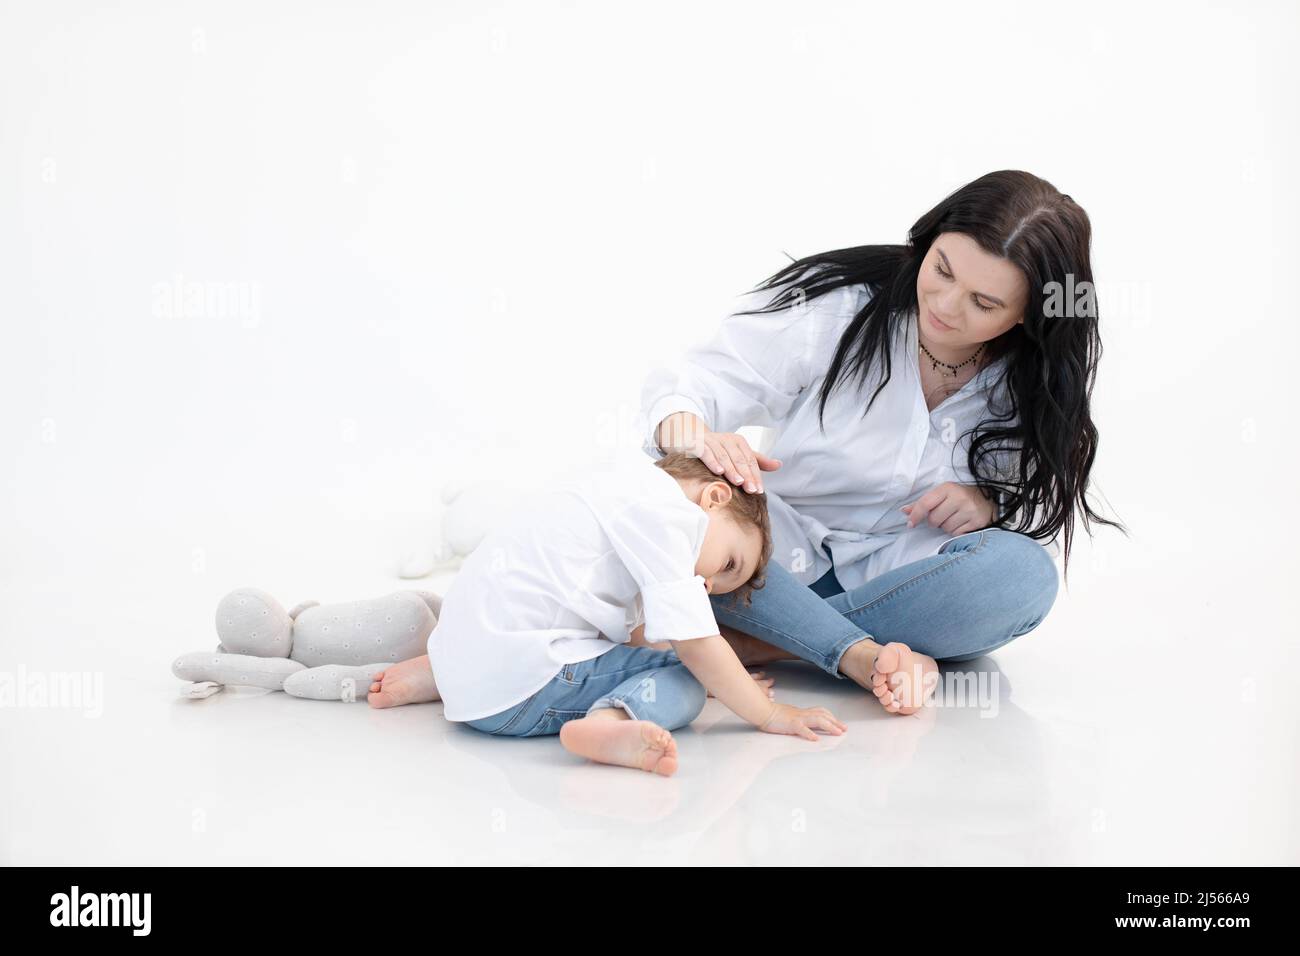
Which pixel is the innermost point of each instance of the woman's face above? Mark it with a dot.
(966, 296)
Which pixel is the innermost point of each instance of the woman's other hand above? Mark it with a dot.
(955, 508)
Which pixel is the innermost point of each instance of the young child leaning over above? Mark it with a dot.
(546, 628)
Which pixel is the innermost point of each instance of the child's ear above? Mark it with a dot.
(715, 494)
(719, 493)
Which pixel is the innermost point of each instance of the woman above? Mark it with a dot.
(931, 404)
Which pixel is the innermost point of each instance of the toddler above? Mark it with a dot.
(548, 625)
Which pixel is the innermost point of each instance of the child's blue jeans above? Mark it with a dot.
(646, 683)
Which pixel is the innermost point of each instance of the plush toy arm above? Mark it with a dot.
(334, 682)
(302, 607)
(266, 672)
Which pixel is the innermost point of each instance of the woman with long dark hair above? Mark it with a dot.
(933, 435)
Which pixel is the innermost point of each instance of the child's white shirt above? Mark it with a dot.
(566, 577)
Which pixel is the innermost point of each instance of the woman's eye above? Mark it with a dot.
(731, 565)
(983, 308)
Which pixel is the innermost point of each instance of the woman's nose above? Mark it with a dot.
(949, 303)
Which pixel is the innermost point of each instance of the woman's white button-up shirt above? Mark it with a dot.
(841, 490)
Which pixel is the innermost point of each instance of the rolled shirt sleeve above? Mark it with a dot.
(678, 611)
(749, 373)
(658, 542)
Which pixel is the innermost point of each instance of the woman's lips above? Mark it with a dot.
(934, 320)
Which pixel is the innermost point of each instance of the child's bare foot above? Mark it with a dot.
(608, 738)
(410, 682)
(902, 679)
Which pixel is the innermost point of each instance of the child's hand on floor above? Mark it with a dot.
(802, 722)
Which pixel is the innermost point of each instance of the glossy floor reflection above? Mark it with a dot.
(1105, 736)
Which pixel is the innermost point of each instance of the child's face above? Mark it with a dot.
(730, 553)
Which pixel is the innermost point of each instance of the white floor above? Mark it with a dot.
(1150, 719)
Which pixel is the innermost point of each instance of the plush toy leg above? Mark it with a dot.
(333, 682)
(202, 690)
(266, 672)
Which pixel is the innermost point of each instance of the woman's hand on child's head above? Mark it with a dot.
(803, 722)
(726, 453)
(729, 454)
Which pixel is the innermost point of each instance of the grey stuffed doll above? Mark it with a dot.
(317, 651)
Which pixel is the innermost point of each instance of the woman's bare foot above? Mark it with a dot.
(410, 682)
(608, 736)
(903, 679)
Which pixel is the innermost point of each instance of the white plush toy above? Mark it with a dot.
(470, 511)
(318, 651)
(331, 652)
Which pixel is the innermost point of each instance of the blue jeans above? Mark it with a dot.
(982, 590)
(646, 683)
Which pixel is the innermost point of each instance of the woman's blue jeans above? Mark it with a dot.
(646, 683)
(982, 590)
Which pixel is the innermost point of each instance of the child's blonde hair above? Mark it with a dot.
(747, 509)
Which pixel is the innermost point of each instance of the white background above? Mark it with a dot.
(466, 231)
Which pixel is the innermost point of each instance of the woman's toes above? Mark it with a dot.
(889, 658)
